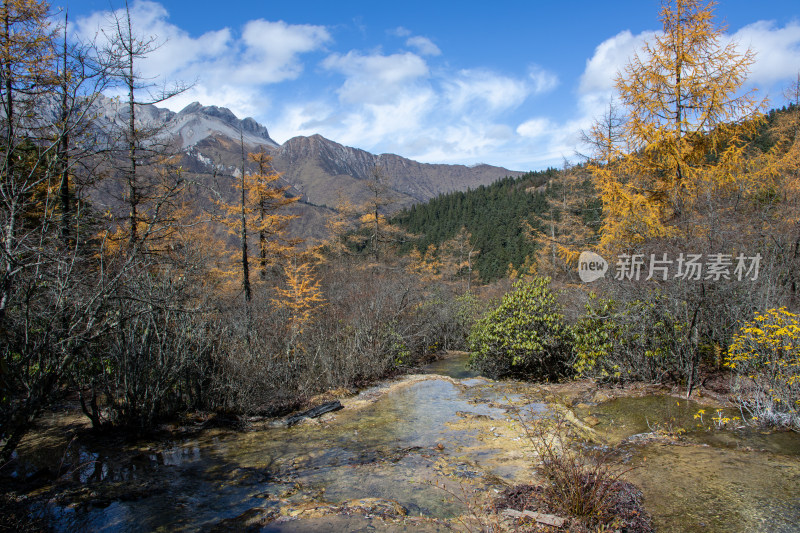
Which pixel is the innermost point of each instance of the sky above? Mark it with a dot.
(509, 83)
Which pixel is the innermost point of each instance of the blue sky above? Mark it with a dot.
(509, 83)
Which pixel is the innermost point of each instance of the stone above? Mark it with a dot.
(591, 421)
(541, 518)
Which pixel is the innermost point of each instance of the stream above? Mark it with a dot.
(381, 463)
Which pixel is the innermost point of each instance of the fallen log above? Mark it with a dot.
(314, 412)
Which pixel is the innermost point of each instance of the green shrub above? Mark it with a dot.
(596, 334)
(524, 336)
(646, 338)
(654, 343)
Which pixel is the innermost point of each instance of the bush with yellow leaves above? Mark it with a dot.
(765, 356)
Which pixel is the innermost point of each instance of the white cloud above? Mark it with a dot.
(484, 89)
(399, 32)
(609, 58)
(375, 79)
(535, 127)
(172, 49)
(226, 70)
(272, 49)
(468, 141)
(543, 80)
(305, 118)
(777, 51)
(244, 101)
(394, 121)
(424, 46)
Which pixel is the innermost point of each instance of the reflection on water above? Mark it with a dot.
(452, 366)
(415, 435)
(389, 449)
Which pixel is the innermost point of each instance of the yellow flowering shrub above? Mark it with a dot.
(765, 355)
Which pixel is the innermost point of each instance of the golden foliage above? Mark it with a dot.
(258, 211)
(302, 296)
(766, 351)
(427, 266)
(26, 46)
(684, 127)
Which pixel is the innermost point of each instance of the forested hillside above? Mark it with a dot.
(505, 219)
(518, 221)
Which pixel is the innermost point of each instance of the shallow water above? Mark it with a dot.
(727, 480)
(457, 430)
(396, 448)
(698, 488)
(453, 366)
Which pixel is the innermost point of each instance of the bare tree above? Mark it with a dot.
(605, 138)
(143, 143)
(52, 297)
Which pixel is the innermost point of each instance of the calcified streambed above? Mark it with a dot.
(377, 463)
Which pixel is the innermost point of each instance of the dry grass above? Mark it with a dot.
(580, 485)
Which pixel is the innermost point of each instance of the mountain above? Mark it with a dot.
(191, 125)
(317, 169)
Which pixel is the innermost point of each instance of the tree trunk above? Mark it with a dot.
(63, 157)
(245, 263)
(133, 192)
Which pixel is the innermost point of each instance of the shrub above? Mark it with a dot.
(595, 335)
(525, 335)
(765, 355)
(578, 484)
(443, 321)
(638, 338)
(653, 342)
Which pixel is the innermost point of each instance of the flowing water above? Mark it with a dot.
(392, 445)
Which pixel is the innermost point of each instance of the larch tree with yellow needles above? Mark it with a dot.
(426, 266)
(685, 119)
(258, 211)
(270, 222)
(301, 298)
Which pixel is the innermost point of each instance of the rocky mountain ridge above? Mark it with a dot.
(411, 180)
(192, 124)
(320, 171)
